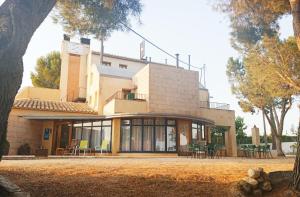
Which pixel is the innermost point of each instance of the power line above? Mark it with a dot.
(156, 46)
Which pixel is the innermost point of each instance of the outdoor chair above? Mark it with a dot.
(103, 147)
(251, 150)
(267, 151)
(191, 151)
(83, 146)
(211, 150)
(244, 150)
(260, 151)
(71, 149)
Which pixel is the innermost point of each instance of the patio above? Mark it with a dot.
(133, 176)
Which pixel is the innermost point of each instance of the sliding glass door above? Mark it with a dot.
(148, 135)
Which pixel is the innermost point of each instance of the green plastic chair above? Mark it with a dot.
(104, 146)
(84, 145)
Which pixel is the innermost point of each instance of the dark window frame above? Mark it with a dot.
(166, 125)
(91, 129)
(123, 66)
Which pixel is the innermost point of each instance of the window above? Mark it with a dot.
(97, 133)
(198, 132)
(123, 66)
(104, 63)
(148, 135)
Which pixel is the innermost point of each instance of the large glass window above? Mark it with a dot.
(125, 138)
(98, 133)
(198, 132)
(148, 135)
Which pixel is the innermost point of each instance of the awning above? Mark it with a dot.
(120, 115)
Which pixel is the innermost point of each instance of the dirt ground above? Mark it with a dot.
(133, 176)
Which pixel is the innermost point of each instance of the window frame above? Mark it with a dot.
(154, 125)
(91, 130)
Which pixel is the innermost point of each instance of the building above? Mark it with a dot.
(132, 105)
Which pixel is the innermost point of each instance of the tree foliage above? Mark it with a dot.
(47, 71)
(251, 20)
(19, 19)
(240, 128)
(266, 79)
(95, 17)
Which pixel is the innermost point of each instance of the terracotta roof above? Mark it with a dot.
(55, 106)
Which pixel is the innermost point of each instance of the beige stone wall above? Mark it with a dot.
(173, 90)
(184, 132)
(125, 106)
(39, 93)
(223, 118)
(47, 143)
(141, 81)
(203, 95)
(109, 86)
(116, 130)
(21, 130)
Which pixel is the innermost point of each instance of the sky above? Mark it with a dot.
(189, 27)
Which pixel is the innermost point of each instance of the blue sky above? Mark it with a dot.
(184, 27)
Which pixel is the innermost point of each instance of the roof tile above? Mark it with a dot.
(55, 106)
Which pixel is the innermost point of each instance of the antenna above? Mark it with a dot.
(204, 78)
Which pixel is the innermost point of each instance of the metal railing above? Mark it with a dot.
(126, 96)
(214, 105)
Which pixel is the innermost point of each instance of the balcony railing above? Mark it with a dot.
(213, 105)
(126, 96)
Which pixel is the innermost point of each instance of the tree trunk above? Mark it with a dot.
(18, 21)
(274, 145)
(295, 9)
(295, 184)
(279, 147)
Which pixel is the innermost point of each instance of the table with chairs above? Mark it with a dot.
(203, 150)
(255, 151)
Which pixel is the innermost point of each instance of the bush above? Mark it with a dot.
(24, 149)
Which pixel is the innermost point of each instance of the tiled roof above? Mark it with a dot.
(55, 106)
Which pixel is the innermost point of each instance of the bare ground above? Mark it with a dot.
(133, 176)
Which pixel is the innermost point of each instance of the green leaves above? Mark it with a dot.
(95, 17)
(47, 73)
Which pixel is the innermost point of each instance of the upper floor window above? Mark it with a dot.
(104, 63)
(123, 66)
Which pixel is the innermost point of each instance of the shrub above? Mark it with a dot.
(24, 149)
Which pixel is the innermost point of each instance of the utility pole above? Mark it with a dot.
(177, 60)
(189, 62)
(166, 61)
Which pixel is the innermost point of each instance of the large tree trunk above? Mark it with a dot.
(295, 9)
(18, 21)
(295, 184)
(279, 147)
(274, 146)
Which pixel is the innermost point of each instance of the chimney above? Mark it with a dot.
(85, 41)
(66, 37)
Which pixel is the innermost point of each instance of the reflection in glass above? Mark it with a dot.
(96, 137)
(125, 138)
(160, 138)
(106, 138)
(171, 138)
(148, 138)
(136, 138)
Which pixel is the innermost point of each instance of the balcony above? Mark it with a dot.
(214, 105)
(125, 102)
(122, 95)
